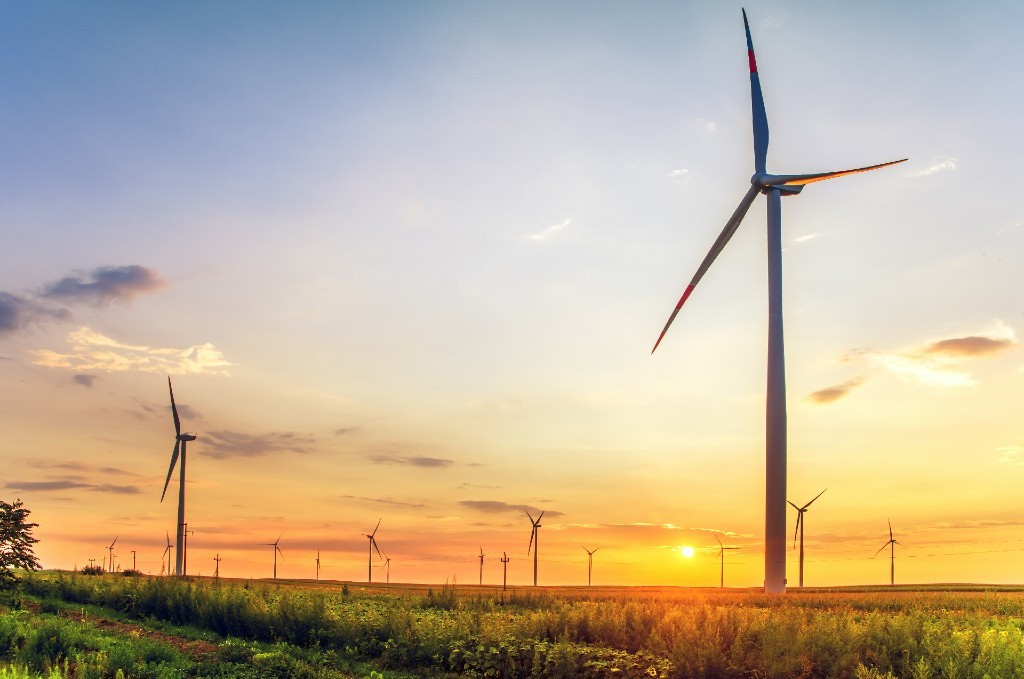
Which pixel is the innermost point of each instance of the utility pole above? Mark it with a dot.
(216, 569)
(133, 559)
(504, 575)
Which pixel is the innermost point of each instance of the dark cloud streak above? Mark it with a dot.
(496, 507)
(104, 285)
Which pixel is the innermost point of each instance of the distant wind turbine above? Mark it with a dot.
(216, 568)
(534, 542)
(373, 546)
(387, 567)
(800, 511)
(277, 548)
(721, 554)
(180, 441)
(167, 549)
(111, 550)
(774, 187)
(481, 565)
(318, 564)
(891, 544)
(590, 561)
(504, 574)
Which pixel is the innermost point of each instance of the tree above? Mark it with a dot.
(15, 542)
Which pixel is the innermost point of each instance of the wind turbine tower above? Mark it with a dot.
(891, 544)
(318, 564)
(534, 542)
(590, 561)
(387, 567)
(373, 546)
(800, 511)
(773, 186)
(180, 441)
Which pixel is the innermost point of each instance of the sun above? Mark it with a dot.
(686, 551)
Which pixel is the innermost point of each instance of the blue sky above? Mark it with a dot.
(402, 257)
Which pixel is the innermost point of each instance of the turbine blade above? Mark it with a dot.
(532, 533)
(376, 547)
(815, 498)
(793, 505)
(540, 516)
(720, 243)
(174, 409)
(170, 470)
(880, 549)
(378, 526)
(804, 179)
(799, 515)
(719, 542)
(890, 528)
(758, 114)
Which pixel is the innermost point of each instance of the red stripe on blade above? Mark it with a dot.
(753, 63)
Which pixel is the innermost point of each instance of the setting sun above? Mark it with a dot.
(686, 551)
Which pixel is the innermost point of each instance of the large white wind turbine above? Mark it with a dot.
(773, 186)
(180, 440)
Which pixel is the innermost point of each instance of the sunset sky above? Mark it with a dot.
(406, 261)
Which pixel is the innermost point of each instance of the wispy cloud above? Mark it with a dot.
(935, 363)
(225, 444)
(411, 460)
(680, 173)
(18, 313)
(46, 486)
(1012, 454)
(709, 125)
(948, 165)
(495, 507)
(551, 230)
(806, 237)
(92, 351)
(387, 501)
(104, 284)
(831, 394)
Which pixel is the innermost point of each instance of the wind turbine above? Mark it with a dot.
(387, 566)
(534, 542)
(179, 444)
(481, 565)
(277, 549)
(318, 564)
(721, 554)
(774, 187)
(504, 575)
(111, 550)
(167, 549)
(800, 527)
(590, 561)
(216, 569)
(373, 546)
(891, 544)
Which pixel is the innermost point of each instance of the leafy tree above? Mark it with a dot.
(15, 542)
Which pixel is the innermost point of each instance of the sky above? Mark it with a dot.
(406, 262)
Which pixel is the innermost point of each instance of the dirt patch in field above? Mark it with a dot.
(193, 648)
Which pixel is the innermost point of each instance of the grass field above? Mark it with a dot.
(109, 626)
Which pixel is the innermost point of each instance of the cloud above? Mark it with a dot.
(495, 507)
(805, 238)
(84, 380)
(970, 346)
(17, 313)
(1012, 454)
(681, 173)
(45, 486)
(709, 125)
(345, 431)
(937, 363)
(948, 165)
(413, 461)
(831, 394)
(386, 501)
(225, 444)
(104, 285)
(551, 230)
(80, 467)
(92, 351)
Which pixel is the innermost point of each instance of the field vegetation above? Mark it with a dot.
(161, 627)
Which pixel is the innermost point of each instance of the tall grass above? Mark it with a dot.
(701, 635)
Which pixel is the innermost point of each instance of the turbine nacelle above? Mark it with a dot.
(186, 437)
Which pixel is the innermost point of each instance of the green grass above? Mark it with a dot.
(263, 629)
